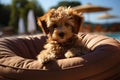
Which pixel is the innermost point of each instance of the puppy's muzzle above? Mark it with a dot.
(61, 34)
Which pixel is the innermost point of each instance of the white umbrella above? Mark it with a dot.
(106, 16)
(21, 26)
(31, 22)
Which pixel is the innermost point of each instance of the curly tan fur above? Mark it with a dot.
(61, 27)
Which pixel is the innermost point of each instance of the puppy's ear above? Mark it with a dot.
(42, 23)
(78, 23)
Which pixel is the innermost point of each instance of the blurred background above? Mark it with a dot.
(18, 17)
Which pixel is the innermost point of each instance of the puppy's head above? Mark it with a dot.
(60, 24)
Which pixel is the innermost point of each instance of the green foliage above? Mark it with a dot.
(4, 14)
(20, 8)
(67, 4)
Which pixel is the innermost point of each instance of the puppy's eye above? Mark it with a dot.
(66, 24)
(70, 17)
(54, 26)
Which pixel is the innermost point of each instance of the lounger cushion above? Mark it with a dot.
(18, 60)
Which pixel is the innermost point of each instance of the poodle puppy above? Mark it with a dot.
(61, 26)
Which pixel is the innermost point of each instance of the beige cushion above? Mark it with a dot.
(18, 60)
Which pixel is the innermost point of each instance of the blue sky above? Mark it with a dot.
(114, 4)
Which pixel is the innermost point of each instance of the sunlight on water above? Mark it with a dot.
(114, 35)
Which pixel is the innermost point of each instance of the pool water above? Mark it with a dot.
(114, 35)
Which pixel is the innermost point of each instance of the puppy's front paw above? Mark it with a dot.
(46, 57)
(69, 54)
(42, 59)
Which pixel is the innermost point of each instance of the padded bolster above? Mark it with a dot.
(18, 60)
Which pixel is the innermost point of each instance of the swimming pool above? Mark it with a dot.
(114, 35)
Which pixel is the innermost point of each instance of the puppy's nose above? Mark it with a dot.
(61, 34)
